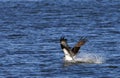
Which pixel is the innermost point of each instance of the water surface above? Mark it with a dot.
(30, 32)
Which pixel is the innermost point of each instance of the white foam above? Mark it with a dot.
(90, 58)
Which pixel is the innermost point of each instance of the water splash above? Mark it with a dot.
(90, 58)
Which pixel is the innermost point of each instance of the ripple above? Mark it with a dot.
(112, 67)
(30, 32)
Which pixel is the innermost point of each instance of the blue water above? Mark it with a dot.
(30, 32)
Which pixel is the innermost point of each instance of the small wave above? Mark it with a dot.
(90, 58)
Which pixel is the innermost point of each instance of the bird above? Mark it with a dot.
(70, 53)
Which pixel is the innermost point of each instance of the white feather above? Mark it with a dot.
(67, 55)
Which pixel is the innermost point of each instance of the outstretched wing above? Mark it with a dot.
(63, 42)
(81, 42)
(66, 49)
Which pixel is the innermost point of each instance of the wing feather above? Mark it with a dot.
(77, 46)
(64, 45)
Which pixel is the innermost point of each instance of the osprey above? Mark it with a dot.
(70, 53)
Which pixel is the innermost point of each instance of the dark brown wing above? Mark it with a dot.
(81, 42)
(64, 45)
(63, 42)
